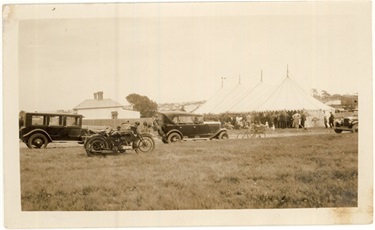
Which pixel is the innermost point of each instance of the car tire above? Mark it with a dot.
(174, 138)
(37, 141)
(338, 130)
(223, 135)
(355, 128)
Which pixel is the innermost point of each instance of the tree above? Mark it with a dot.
(315, 94)
(145, 106)
(325, 95)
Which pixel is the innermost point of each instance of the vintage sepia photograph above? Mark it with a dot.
(187, 114)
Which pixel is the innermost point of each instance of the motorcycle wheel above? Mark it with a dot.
(95, 144)
(146, 145)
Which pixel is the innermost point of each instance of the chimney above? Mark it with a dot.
(96, 96)
(100, 95)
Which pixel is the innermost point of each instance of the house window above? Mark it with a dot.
(114, 114)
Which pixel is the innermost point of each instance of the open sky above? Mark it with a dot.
(178, 54)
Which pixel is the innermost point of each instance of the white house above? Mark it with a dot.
(333, 102)
(100, 108)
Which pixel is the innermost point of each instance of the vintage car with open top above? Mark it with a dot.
(347, 123)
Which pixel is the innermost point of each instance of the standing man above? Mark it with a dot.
(325, 121)
(282, 120)
(331, 120)
(303, 119)
(296, 118)
(248, 120)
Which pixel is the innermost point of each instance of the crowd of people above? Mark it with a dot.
(277, 120)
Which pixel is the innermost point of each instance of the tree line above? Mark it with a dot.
(348, 102)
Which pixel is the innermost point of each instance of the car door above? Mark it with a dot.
(188, 130)
(54, 127)
(73, 128)
(185, 125)
(203, 130)
(61, 128)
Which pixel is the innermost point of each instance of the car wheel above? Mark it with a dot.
(338, 130)
(223, 135)
(37, 141)
(355, 128)
(174, 137)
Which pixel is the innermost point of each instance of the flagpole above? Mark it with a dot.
(222, 81)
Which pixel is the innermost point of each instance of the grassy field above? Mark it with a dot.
(303, 171)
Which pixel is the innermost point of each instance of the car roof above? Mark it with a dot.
(178, 113)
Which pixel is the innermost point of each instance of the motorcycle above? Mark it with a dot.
(110, 141)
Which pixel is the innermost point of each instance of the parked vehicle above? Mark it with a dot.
(39, 129)
(349, 123)
(174, 126)
(110, 141)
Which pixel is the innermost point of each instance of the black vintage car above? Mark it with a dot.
(174, 126)
(39, 129)
(349, 123)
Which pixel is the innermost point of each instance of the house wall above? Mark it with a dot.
(106, 113)
(101, 124)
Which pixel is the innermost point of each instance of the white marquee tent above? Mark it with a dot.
(286, 96)
(289, 96)
(231, 98)
(211, 103)
(251, 99)
(225, 100)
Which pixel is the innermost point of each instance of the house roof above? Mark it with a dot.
(98, 103)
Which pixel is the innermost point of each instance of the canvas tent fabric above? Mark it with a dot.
(224, 100)
(289, 96)
(211, 103)
(251, 99)
(285, 96)
(229, 100)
